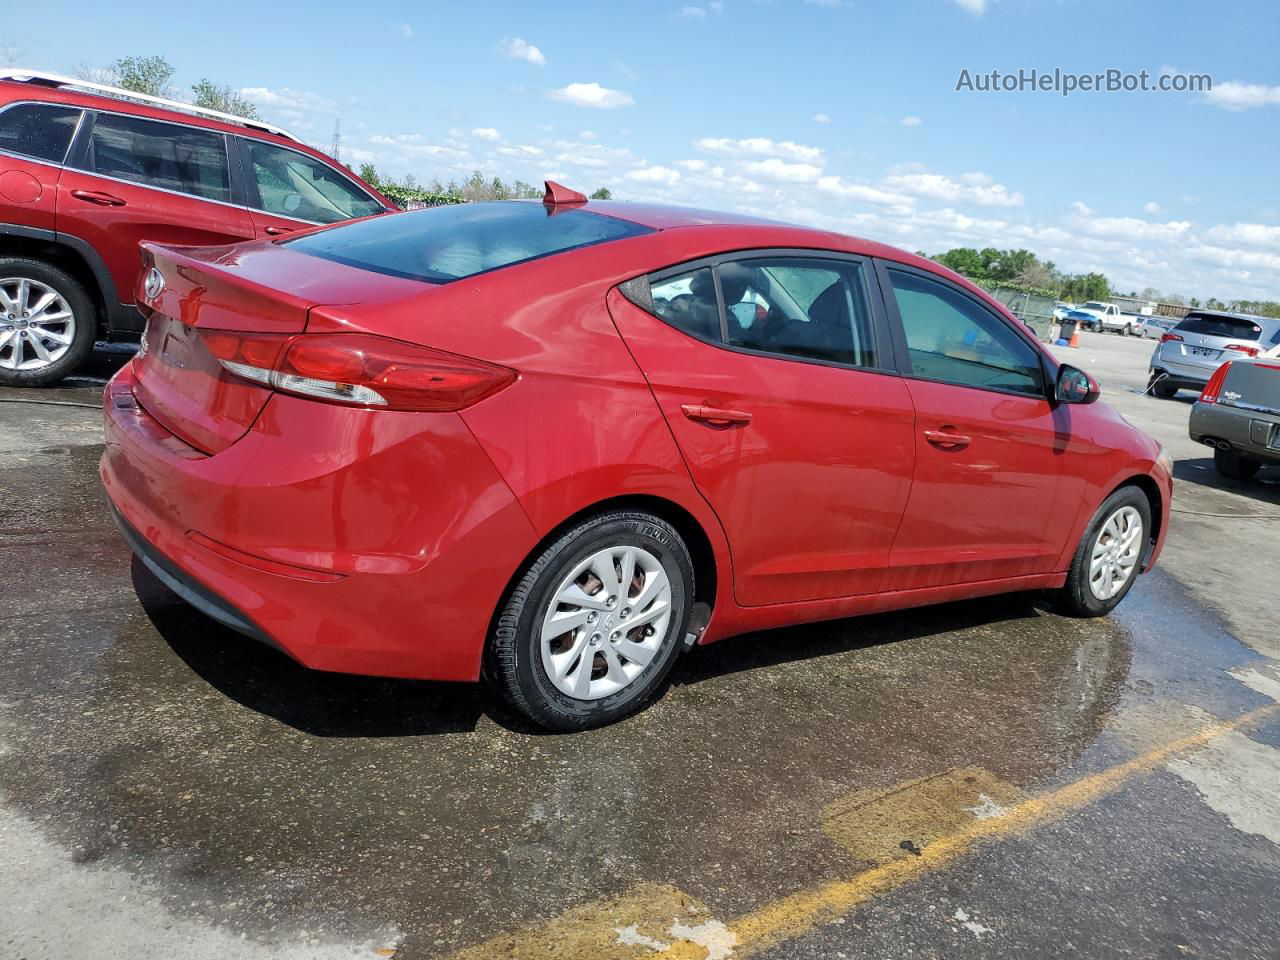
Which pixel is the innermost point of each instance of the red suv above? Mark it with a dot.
(86, 174)
(558, 442)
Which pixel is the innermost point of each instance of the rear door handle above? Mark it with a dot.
(276, 231)
(715, 416)
(95, 196)
(946, 440)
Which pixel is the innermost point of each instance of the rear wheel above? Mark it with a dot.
(47, 323)
(1160, 386)
(594, 626)
(1109, 555)
(1127, 331)
(1231, 463)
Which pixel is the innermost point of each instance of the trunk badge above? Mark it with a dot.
(154, 285)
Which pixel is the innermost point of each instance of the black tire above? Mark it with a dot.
(1127, 331)
(1076, 598)
(82, 311)
(1160, 386)
(514, 657)
(1234, 465)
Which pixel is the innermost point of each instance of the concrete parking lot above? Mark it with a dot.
(984, 778)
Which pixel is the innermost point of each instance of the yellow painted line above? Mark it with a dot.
(664, 923)
(800, 912)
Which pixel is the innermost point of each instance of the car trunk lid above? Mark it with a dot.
(259, 289)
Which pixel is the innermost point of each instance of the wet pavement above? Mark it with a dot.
(169, 788)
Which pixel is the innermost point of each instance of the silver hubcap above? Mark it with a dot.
(1116, 553)
(606, 622)
(36, 324)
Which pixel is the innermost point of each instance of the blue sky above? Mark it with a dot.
(839, 113)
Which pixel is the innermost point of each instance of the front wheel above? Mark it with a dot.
(47, 323)
(1108, 558)
(593, 627)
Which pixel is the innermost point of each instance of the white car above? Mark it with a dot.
(1107, 316)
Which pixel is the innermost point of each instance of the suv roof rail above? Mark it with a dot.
(40, 78)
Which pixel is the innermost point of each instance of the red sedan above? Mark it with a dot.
(558, 443)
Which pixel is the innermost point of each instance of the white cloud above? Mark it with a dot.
(760, 147)
(592, 95)
(518, 49)
(693, 13)
(486, 133)
(823, 3)
(663, 176)
(1245, 234)
(521, 150)
(975, 7)
(405, 30)
(910, 121)
(1151, 206)
(1082, 208)
(716, 6)
(287, 98)
(1242, 96)
(865, 193)
(587, 135)
(775, 169)
(821, 118)
(975, 188)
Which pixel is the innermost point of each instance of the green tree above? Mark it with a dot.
(602, 194)
(213, 97)
(150, 75)
(369, 174)
(965, 261)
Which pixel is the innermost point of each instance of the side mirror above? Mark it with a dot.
(1075, 386)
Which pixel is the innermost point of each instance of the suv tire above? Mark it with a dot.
(541, 673)
(1160, 386)
(1118, 514)
(1235, 465)
(71, 304)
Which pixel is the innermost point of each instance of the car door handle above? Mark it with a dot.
(95, 196)
(276, 231)
(714, 416)
(946, 440)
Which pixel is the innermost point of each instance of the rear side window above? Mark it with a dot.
(810, 308)
(1215, 325)
(688, 301)
(292, 184)
(449, 243)
(39, 130)
(164, 155)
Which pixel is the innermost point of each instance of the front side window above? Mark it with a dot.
(39, 130)
(952, 339)
(811, 308)
(292, 184)
(165, 155)
(442, 244)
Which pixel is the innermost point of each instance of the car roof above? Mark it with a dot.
(1253, 317)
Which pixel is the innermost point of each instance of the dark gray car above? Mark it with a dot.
(1187, 355)
(1239, 416)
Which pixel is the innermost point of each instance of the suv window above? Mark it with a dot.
(40, 130)
(292, 184)
(1214, 325)
(953, 339)
(165, 155)
(449, 243)
(801, 307)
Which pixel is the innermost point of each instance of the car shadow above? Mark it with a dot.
(1264, 488)
(262, 679)
(830, 637)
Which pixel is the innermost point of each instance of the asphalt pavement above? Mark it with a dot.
(984, 778)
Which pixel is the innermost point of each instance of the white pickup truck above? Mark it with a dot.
(1107, 316)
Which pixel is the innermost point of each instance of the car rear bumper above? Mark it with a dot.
(1192, 376)
(1253, 433)
(353, 540)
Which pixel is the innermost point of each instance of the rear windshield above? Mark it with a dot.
(1213, 325)
(449, 243)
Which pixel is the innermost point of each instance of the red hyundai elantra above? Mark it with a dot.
(557, 443)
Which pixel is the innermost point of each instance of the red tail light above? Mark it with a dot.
(1247, 351)
(1210, 392)
(359, 369)
(1170, 338)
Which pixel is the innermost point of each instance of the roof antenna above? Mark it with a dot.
(558, 195)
